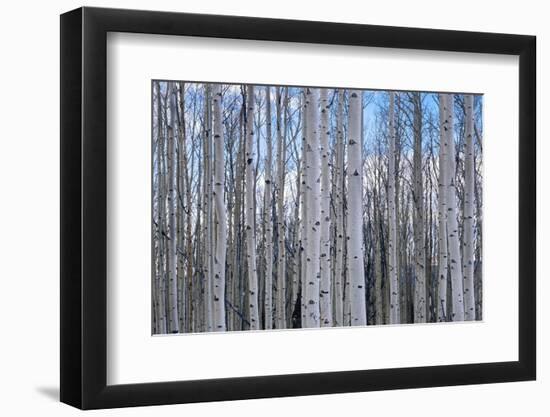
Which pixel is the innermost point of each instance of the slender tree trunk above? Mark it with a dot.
(281, 252)
(296, 260)
(339, 179)
(268, 220)
(478, 279)
(238, 262)
(392, 241)
(250, 211)
(221, 216)
(469, 223)
(208, 212)
(420, 311)
(188, 216)
(173, 319)
(378, 294)
(355, 212)
(180, 236)
(442, 214)
(161, 309)
(431, 284)
(313, 203)
(297, 230)
(455, 264)
(325, 296)
(202, 223)
(304, 213)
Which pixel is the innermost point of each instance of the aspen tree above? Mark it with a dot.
(325, 246)
(221, 216)
(313, 205)
(161, 309)
(420, 311)
(442, 214)
(378, 295)
(250, 214)
(173, 320)
(296, 259)
(469, 223)
(339, 207)
(298, 221)
(455, 264)
(268, 311)
(281, 252)
(238, 219)
(375, 234)
(355, 216)
(208, 212)
(303, 211)
(188, 217)
(392, 238)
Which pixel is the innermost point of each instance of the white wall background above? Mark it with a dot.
(29, 208)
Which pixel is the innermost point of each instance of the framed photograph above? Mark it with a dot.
(258, 208)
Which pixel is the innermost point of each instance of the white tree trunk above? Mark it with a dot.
(442, 214)
(250, 211)
(208, 212)
(355, 211)
(173, 320)
(420, 311)
(221, 220)
(313, 206)
(455, 264)
(303, 212)
(325, 296)
(469, 223)
(268, 303)
(281, 258)
(339, 179)
(161, 218)
(297, 231)
(392, 218)
(392, 239)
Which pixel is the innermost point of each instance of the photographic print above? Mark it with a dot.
(288, 207)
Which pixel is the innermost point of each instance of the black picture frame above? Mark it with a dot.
(84, 207)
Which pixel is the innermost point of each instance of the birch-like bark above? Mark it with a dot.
(281, 252)
(392, 238)
(442, 214)
(313, 205)
(188, 213)
(339, 207)
(469, 224)
(161, 309)
(378, 295)
(355, 211)
(200, 233)
(297, 231)
(221, 221)
(208, 211)
(173, 319)
(420, 311)
(238, 262)
(303, 211)
(325, 296)
(455, 264)
(250, 211)
(268, 303)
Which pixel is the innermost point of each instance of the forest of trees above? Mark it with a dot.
(281, 207)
